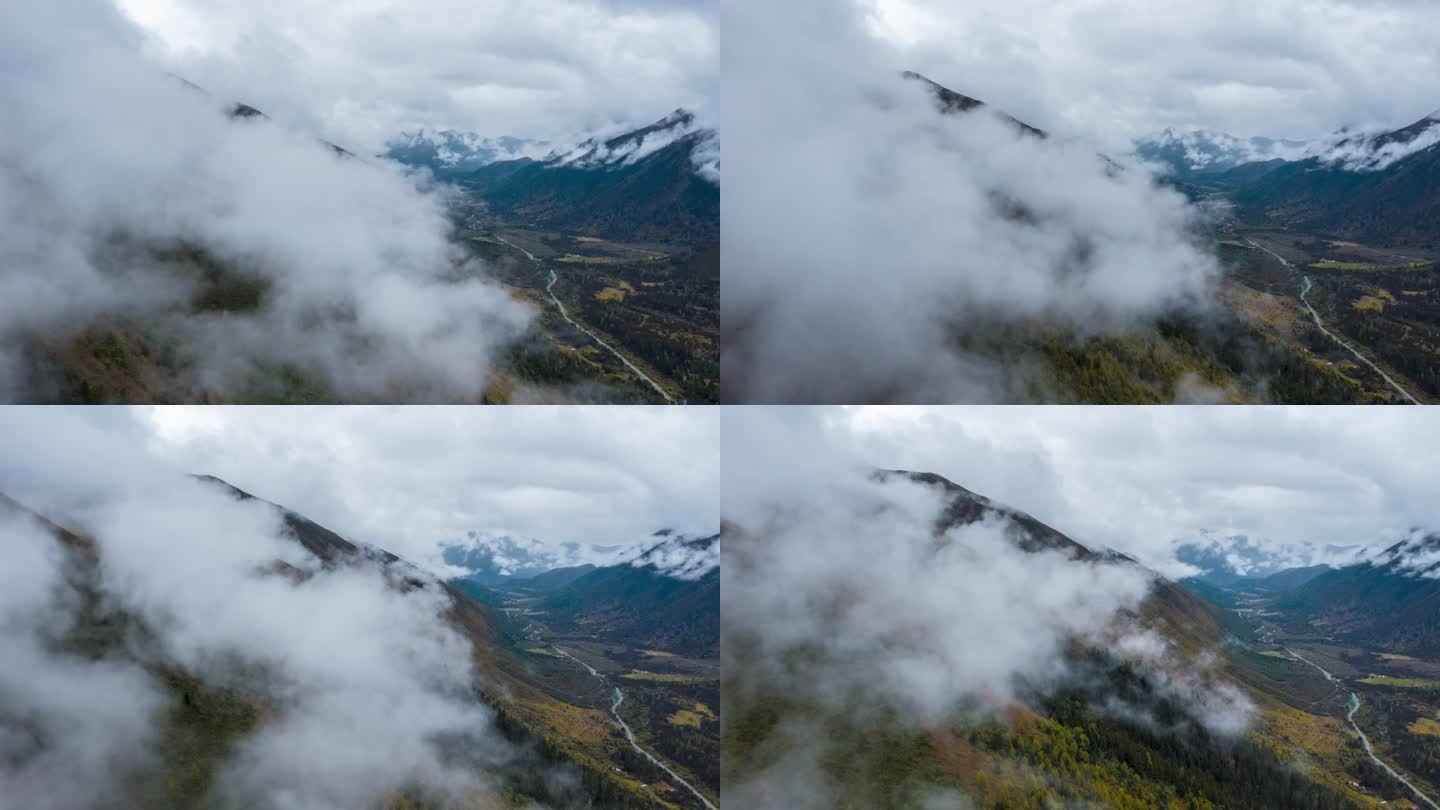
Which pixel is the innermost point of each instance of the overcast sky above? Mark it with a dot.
(1139, 479)
(1119, 68)
(364, 70)
(405, 478)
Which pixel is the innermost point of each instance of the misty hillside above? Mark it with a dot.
(505, 734)
(1140, 709)
(210, 336)
(1170, 609)
(984, 221)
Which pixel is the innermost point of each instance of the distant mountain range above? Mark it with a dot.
(492, 558)
(667, 597)
(1226, 560)
(657, 183)
(449, 152)
(1206, 152)
(445, 151)
(497, 558)
(1376, 187)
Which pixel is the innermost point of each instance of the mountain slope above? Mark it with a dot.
(1374, 189)
(657, 183)
(564, 754)
(493, 559)
(645, 604)
(1185, 619)
(554, 579)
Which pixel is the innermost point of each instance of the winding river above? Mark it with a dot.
(615, 700)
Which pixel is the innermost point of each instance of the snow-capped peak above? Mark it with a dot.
(1417, 555)
(500, 554)
(446, 149)
(630, 147)
(680, 556)
(1377, 151)
(610, 147)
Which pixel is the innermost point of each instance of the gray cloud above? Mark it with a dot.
(1115, 69)
(1144, 479)
(406, 478)
(499, 67)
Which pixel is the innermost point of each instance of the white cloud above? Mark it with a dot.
(844, 598)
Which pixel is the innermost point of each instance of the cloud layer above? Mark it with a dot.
(366, 73)
(1310, 485)
(1116, 69)
(407, 479)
